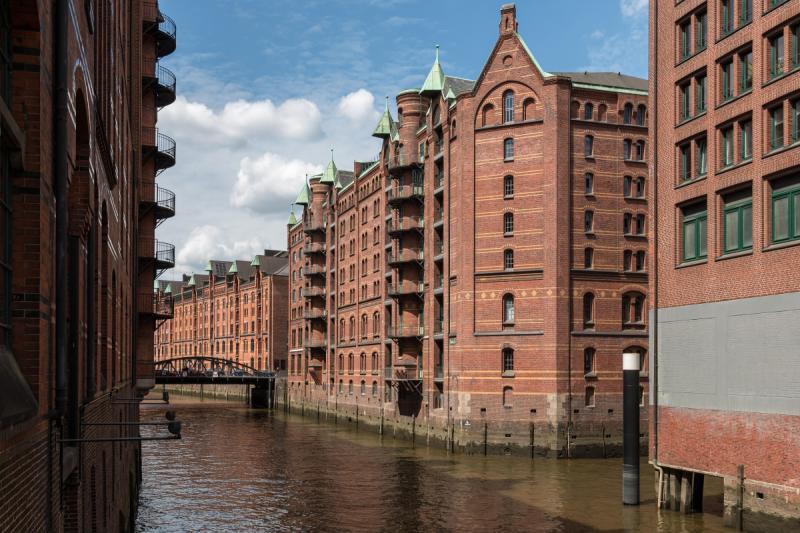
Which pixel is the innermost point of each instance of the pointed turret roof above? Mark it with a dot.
(384, 127)
(329, 176)
(302, 197)
(292, 218)
(435, 80)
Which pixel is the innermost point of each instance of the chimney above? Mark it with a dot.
(508, 19)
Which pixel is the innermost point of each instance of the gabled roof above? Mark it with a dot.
(169, 286)
(218, 269)
(606, 80)
(268, 264)
(457, 86)
(343, 179)
(242, 269)
(435, 80)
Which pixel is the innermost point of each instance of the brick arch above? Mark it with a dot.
(494, 96)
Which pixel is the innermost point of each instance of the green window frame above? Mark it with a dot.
(745, 71)
(700, 84)
(746, 140)
(795, 51)
(795, 112)
(786, 213)
(727, 16)
(694, 229)
(686, 161)
(686, 101)
(701, 31)
(776, 55)
(726, 146)
(686, 46)
(745, 12)
(701, 159)
(776, 127)
(727, 79)
(737, 226)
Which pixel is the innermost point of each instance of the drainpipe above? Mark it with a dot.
(60, 165)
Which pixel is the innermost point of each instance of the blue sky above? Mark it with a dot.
(266, 88)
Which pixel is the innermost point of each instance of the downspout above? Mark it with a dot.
(655, 263)
(60, 165)
(569, 288)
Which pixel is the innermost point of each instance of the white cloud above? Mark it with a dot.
(209, 242)
(632, 8)
(270, 182)
(358, 106)
(241, 121)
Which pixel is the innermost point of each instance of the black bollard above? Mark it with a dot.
(630, 424)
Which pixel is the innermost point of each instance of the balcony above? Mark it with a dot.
(438, 327)
(315, 363)
(160, 306)
(314, 248)
(161, 27)
(402, 160)
(438, 284)
(406, 256)
(161, 253)
(313, 292)
(438, 251)
(405, 288)
(407, 372)
(159, 199)
(161, 146)
(315, 314)
(405, 332)
(438, 148)
(315, 270)
(438, 182)
(165, 86)
(315, 344)
(313, 226)
(438, 373)
(402, 193)
(438, 218)
(411, 223)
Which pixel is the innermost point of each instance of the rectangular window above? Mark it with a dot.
(588, 146)
(727, 16)
(508, 149)
(627, 219)
(588, 183)
(726, 147)
(695, 219)
(776, 51)
(700, 94)
(786, 210)
(686, 41)
(701, 31)
(795, 112)
(776, 127)
(588, 221)
(626, 149)
(627, 260)
(686, 162)
(508, 186)
(745, 11)
(726, 69)
(795, 31)
(626, 186)
(702, 156)
(737, 223)
(746, 139)
(745, 71)
(686, 102)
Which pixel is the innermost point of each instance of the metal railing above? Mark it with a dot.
(402, 331)
(311, 292)
(166, 86)
(404, 192)
(403, 158)
(314, 314)
(152, 193)
(315, 343)
(406, 224)
(406, 255)
(314, 248)
(438, 180)
(314, 270)
(160, 305)
(406, 287)
(162, 252)
(164, 144)
(313, 225)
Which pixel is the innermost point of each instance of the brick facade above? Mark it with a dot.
(236, 311)
(725, 96)
(79, 91)
(400, 271)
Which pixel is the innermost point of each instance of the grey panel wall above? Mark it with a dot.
(739, 355)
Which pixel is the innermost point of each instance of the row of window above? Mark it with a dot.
(737, 220)
(631, 150)
(627, 113)
(633, 224)
(632, 310)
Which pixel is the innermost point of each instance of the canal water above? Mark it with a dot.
(238, 469)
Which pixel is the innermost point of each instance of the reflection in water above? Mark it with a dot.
(238, 469)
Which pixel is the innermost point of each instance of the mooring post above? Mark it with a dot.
(532, 441)
(485, 437)
(740, 498)
(630, 422)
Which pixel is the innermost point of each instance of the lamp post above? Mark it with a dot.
(630, 424)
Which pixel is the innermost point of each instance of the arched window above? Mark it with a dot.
(627, 260)
(352, 327)
(341, 363)
(363, 388)
(588, 146)
(508, 309)
(632, 310)
(436, 115)
(588, 183)
(399, 116)
(487, 115)
(626, 149)
(374, 361)
(589, 398)
(508, 360)
(508, 259)
(588, 310)
(374, 389)
(508, 106)
(528, 109)
(588, 111)
(588, 257)
(588, 221)
(350, 363)
(575, 109)
(350, 387)
(508, 149)
(508, 223)
(639, 150)
(364, 326)
(602, 110)
(375, 324)
(627, 185)
(640, 187)
(641, 113)
(626, 113)
(341, 386)
(640, 258)
(508, 396)
(362, 363)
(508, 187)
(588, 361)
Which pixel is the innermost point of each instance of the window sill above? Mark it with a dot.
(590, 375)
(782, 149)
(734, 255)
(687, 120)
(776, 6)
(635, 198)
(782, 245)
(689, 57)
(639, 161)
(508, 160)
(686, 183)
(733, 31)
(508, 197)
(508, 374)
(635, 235)
(692, 263)
(589, 233)
(508, 234)
(733, 99)
(781, 76)
(734, 166)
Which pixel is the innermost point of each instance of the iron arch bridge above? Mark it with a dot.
(206, 369)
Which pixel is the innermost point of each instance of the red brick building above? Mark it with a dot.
(236, 311)
(482, 278)
(80, 86)
(725, 93)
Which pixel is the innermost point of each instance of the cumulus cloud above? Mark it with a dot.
(270, 182)
(632, 8)
(242, 121)
(358, 106)
(210, 242)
